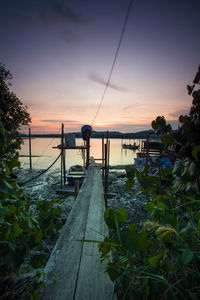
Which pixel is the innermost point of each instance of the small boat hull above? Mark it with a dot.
(75, 173)
(131, 147)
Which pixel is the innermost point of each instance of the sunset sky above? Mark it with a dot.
(60, 54)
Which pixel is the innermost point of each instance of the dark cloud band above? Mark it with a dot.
(101, 81)
(59, 13)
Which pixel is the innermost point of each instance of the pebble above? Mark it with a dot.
(43, 187)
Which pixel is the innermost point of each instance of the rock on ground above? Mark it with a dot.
(133, 201)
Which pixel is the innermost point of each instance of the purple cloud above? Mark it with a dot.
(60, 121)
(177, 113)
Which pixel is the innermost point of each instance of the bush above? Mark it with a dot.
(21, 230)
(161, 258)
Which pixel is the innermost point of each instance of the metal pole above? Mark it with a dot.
(30, 158)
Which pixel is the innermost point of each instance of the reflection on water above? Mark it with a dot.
(44, 147)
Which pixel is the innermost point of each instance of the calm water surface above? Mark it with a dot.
(44, 147)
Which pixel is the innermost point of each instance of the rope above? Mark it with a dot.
(115, 58)
(42, 171)
(58, 131)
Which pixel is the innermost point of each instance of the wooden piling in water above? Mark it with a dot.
(103, 157)
(30, 157)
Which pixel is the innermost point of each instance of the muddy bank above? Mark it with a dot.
(133, 201)
(44, 187)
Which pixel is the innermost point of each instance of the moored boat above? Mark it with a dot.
(132, 147)
(75, 173)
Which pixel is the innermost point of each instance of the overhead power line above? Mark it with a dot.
(115, 58)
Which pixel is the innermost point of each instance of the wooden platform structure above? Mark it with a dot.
(152, 148)
(73, 271)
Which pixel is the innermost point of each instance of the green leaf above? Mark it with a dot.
(12, 163)
(178, 167)
(109, 217)
(5, 187)
(36, 294)
(187, 256)
(196, 152)
(154, 260)
(186, 228)
(150, 206)
(190, 88)
(11, 245)
(104, 247)
(130, 172)
(167, 139)
(168, 220)
(30, 223)
(161, 205)
(143, 243)
(113, 273)
(38, 236)
(38, 260)
(157, 213)
(17, 230)
(181, 119)
(129, 184)
(154, 125)
(12, 209)
(192, 170)
(3, 211)
(130, 238)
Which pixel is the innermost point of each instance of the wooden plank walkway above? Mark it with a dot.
(73, 271)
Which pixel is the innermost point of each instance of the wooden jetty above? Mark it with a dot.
(73, 271)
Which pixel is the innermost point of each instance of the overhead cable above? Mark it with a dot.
(115, 58)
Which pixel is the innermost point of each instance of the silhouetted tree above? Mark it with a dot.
(13, 113)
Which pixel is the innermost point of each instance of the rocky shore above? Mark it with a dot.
(44, 187)
(133, 201)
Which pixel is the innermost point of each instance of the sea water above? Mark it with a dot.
(45, 154)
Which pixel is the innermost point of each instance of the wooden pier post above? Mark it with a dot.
(108, 155)
(76, 188)
(106, 169)
(105, 178)
(103, 157)
(61, 161)
(87, 152)
(30, 157)
(63, 155)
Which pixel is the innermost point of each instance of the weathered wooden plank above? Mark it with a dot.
(63, 265)
(93, 282)
(73, 271)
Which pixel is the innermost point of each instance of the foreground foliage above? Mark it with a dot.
(22, 229)
(161, 258)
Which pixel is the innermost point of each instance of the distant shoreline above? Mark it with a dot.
(96, 135)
